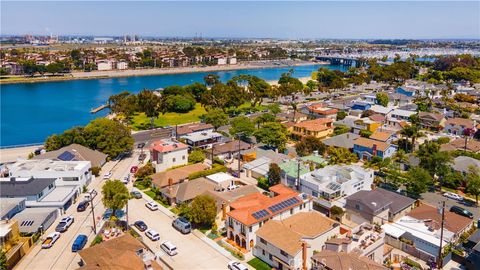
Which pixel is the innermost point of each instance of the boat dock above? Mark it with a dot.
(99, 108)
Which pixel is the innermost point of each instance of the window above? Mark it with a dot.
(263, 252)
(70, 178)
(230, 222)
(50, 186)
(270, 257)
(40, 194)
(314, 194)
(291, 211)
(250, 229)
(283, 253)
(174, 159)
(263, 241)
(357, 206)
(183, 157)
(242, 229)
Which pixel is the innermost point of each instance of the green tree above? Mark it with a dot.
(145, 171)
(341, 156)
(274, 109)
(108, 136)
(264, 118)
(312, 85)
(29, 67)
(203, 210)
(115, 195)
(196, 156)
(55, 68)
(288, 85)
(196, 89)
(341, 129)
(149, 103)
(431, 159)
(179, 103)
(216, 118)
(382, 99)
(473, 182)
(3, 260)
(211, 79)
(273, 134)
(242, 124)
(365, 133)
(308, 144)
(341, 115)
(418, 180)
(274, 174)
(413, 132)
(256, 88)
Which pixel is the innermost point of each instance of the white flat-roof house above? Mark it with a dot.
(221, 179)
(65, 173)
(38, 192)
(166, 154)
(202, 139)
(336, 181)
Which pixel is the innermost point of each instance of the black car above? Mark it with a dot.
(140, 145)
(141, 226)
(82, 206)
(461, 211)
(468, 203)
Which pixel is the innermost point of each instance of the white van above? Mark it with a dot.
(169, 248)
(153, 235)
(90, 194)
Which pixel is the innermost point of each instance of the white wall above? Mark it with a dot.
(171, 159)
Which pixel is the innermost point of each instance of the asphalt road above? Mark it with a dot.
(148, 136)
(435, 199)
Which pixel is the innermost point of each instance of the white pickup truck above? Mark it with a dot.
(50, 240)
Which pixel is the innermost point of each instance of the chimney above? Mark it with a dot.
(224, 210)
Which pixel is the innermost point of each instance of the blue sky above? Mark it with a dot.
(343, 19)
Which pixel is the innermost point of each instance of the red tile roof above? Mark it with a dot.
(315, 125)
(164, 146)
(243, 208)
(453, 222)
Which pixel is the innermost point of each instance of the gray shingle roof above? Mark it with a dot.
(19, 188)
(343, 140)
(378, 198)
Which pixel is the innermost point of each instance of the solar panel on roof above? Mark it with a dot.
(284, 204)
(260, 214)
(66, 156)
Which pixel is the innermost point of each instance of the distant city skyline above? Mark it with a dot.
(295, 20)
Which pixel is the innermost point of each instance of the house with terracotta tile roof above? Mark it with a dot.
(456, 125)
(168, 153)
(319, 128)
(178, 175)
(459, 144)
(249, 213)
(279, 242)
(321, 111)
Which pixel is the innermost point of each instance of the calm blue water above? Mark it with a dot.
(31, 112)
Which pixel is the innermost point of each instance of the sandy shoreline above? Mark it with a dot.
(158, 71)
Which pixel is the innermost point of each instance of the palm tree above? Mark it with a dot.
(294, 107)
(413, 132)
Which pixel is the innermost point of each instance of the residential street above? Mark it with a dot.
(435, 199)
(60, 256)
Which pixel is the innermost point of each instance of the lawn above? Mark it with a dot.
(141, 121)
(259, 264)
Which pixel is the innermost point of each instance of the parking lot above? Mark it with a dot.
(435, 199)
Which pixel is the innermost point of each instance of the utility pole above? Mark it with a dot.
(439, 264)
(238, 157)
(212, 152)
(126, 212)
(93, 212)
(298, 175)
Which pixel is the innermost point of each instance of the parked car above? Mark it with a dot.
(152, 206)
(64, 224)
(453, 196)
(142, 157)
(169, 248)
(50, 240)
(126, 179)
(233, 265)
(153, 235)
(140, 145)
(89, 195)
(107, 175)
(133, 169)
(468, 203)
(182, 225)
(141, 226)
(232, 187)
(79, 242)
(82, 206)
(461, 211)
(136, 194)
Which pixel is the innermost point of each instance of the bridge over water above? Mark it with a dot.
(346, 60)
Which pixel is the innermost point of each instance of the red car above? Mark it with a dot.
(134, 169)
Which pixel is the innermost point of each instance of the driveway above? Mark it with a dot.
(435, 199)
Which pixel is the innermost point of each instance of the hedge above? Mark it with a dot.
(216, 169)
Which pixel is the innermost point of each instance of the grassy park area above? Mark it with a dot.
(141, 121)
